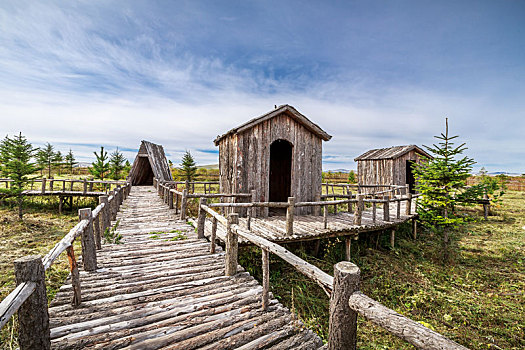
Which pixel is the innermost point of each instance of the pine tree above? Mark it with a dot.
(58, 161)
(101, 166)
(15, 160)
(70, 161)
(442, 184)
(189, 169)
(116, 164)
(351, 177)
(45, 158)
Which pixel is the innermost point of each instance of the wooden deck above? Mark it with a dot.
(309, 227)
(156, 291)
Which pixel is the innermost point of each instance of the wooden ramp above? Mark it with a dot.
(158, 291)
(310, 227)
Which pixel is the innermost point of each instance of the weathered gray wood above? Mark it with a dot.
(232, 245)
(43, 185)
(358, 210)
(213, 236)
(398, 212)
(201, 219)
(408, 206)
(170, 199)
(89, 252)
(33, 317)
(342, 333)
(289, 216)
(374, 212)
(85, 186)
(10, 305)
(348, 248)
(184, 204)
(386, 209)
(105, 212)
(75, 277)
(414, 228)
(325, 216)
(399, 325)
(266, 278)
(96, 229)
(392, 238)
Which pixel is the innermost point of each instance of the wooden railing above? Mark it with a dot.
(346, 301)
(50, 185)
(29, 297)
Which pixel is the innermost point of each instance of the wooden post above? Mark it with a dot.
(408, 207)
(90, 186)
(386, 208)
(114, 205)
(392, 238)
(251, 211)
(183, 204)
(51, 184)
(201, 221)
(60, 204)
(349, 203)
(325, 216)
(342, 332)
(317, 209)
(289, 216)
(398, 212)
(170, 199)
(33, 317)
(96, 228)
(176, 201)
(71, 186)
(89, 253)
(76, 299)
(213, 235)
(43, 185)
(105, 212)
(348, 248)
(187, 185)
(374, 211)
(414, 228)
(358, 214)
(232, 245)
(85, 186)
(266, 278)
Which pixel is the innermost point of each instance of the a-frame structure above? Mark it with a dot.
(150, 162)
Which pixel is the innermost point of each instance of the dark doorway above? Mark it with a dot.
(144, 174)
(280, 171)
(410, 180)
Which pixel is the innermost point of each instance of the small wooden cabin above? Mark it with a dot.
(389, 166)
(150, 162)
(278, 154)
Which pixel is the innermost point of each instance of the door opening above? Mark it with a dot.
(280, 172)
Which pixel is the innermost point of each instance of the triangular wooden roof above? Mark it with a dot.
(288, 110)
(157, 160)
(391, 153)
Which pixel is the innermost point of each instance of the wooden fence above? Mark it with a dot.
(29, 297)
(346, 301)
(53, 186)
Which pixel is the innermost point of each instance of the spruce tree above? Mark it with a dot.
(70, 161)
(189, 168)
(442, 184)
(101, 166)
(15, 160)
(58, 161)
(45, 158)
(116, 164)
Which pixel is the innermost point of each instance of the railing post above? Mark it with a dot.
(114, 205)
(96, 228)
(317, 209)
(266, 278)
(358, 210)
(348, 248)
(105, 212)
(213, 235)
(386, 208)
(51, 183)
(85, 186)
(392, 238)
(201, 221)
(170, 198)
(398, 212)
(289, 216)
(89, 253)
(414, 228)
(349, 203)
(408, 203)
(342, 332)
(183, 204)
(176, 205)
(325, 216)
(76, 299)
(232, 245)
(251, 211)
(33, 316)
(374, 211)
(43, 185)
(90, 186)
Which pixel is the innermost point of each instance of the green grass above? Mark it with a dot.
(477, 299)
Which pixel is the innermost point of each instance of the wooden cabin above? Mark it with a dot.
(389, 166)
(278, 154)
(150, 162)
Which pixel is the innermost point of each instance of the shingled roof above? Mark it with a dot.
(390, 153)
(288, 110)
(157, 161)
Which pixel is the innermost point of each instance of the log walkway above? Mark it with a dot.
(161, 288)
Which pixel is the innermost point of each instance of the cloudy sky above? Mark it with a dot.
(80, 74)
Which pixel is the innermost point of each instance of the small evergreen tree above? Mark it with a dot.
(15, 159)
(351, 177)
(58, 161)
(127, 167)
(189, 168)
(116, 164)
(70, 162)
(101, 166)
(45, 158)
(442, 184)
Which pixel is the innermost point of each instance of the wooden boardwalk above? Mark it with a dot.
(157, 291)
(310, 227)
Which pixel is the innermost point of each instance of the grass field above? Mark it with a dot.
(476, 300)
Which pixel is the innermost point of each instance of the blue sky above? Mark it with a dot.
(371, 73)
